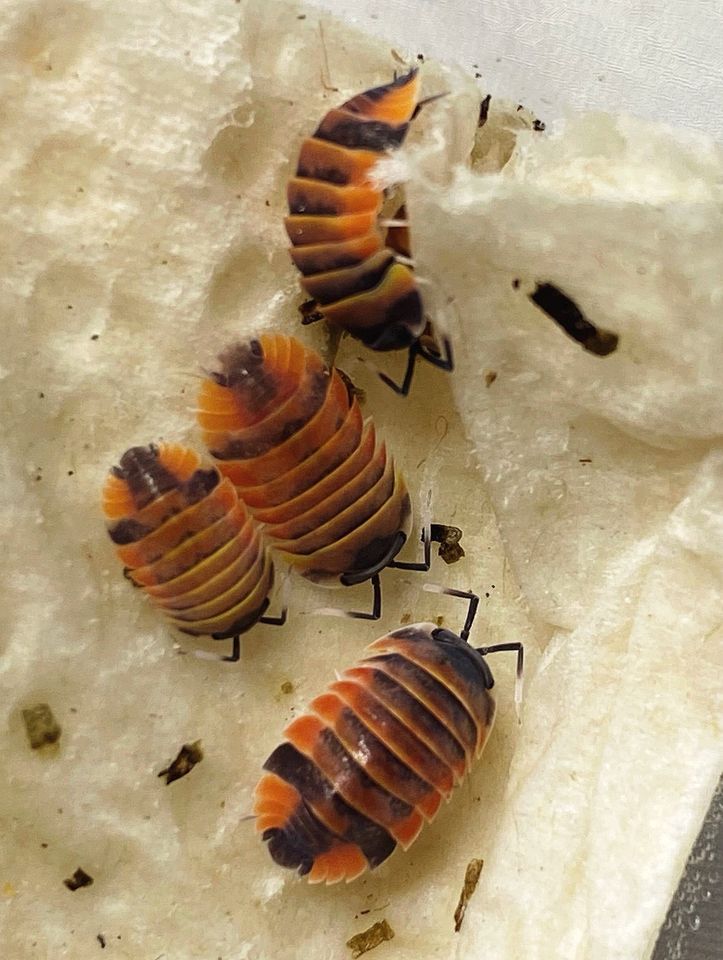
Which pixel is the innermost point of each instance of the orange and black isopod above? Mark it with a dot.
(360, 279)
(190, 543)
(375, 755)
(285, 430)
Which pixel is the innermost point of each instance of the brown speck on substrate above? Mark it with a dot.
(287, 687)
(448, 539)
(101, 940)
(188, 756)
(538, 125)
(369, 939)
(41, 726)
(439, 621)
(79, 879)
(490, 377)
(406, 618)
(471, 879)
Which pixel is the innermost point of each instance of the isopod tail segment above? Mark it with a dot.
(288, 433)
(186, 539)
(372, 758)
(359, 281)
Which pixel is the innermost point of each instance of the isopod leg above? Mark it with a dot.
(403, 388)
(422, 565)
(444, 360)
(463, 595)
(373, 614)
(501, 647)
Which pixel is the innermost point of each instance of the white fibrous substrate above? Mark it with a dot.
(144, 151)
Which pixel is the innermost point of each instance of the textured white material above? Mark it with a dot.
(144, 150)
(663, 62)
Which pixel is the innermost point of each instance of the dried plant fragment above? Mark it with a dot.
(79, 879)
(188, 756)
(369, 939)
(566, 313)
(41, 726)
(448, 539)
(471, 879)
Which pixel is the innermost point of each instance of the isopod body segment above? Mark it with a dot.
(373, 757)
(184, 536)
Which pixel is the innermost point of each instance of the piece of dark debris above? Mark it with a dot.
(310, 313)
(490, 377)
(101, 940)
(287, 687)
(352, 389)
(471, 879)
(188, 756)
(41, 726)
(538, 126)
(484, 107)
(369, 939)
(405, 618)
(79, 879)
(95, 336)
(570, 318)
(448, 539)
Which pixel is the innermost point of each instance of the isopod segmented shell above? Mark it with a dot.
(186, 539)
(347, 264)
(374, 756)
(284, 429)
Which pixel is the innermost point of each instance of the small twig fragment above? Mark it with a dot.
(41, 726)
(369, 939)
(471, 879)
(188, 756)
